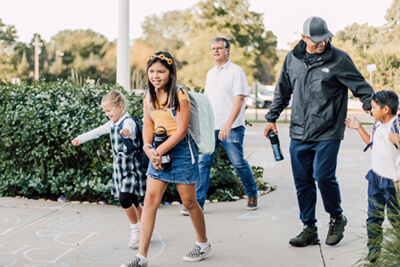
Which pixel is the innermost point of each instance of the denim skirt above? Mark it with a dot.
(182, 171)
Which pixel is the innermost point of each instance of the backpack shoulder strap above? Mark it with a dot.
(396, 129)
(372, 137)
(121, 125)
(172, 110)
(128, 142)
(396, 126)
(139, 131)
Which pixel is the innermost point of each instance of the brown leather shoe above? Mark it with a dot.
(252, 203)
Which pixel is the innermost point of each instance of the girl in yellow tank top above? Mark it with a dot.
(163, 94)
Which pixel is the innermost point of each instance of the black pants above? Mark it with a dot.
(127, 199)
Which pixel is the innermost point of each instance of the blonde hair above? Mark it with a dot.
(115, 98)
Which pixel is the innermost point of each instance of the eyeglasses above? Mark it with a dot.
(218, 48)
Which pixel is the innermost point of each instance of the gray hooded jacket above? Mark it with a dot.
(319, 105)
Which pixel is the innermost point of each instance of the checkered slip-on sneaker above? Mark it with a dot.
(135, 262)
(197, 254)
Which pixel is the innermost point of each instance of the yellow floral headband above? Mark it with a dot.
(160, 56)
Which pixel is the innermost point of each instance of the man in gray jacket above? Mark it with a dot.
(317, 76)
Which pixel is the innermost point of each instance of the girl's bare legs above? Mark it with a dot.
(134, 214)
(154, 193)
(187, 193)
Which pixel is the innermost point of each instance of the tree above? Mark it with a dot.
(165, 32)
(387, 74)
(8, 33)
(361, 36)
(108, 64)
(7, 69)
(22, 60)
(392, 26)
(23, 67)
(187, 35)
(83, 51)
(140, 52)
(246, 30)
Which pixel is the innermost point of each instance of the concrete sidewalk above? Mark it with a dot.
(45, 233)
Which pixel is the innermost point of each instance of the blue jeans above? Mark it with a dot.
(381, 193)
(315, 162)
(234, 148)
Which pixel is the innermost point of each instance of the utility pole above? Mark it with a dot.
(123, 66)
(37, 44)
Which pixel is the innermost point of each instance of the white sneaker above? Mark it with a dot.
(184, 212)
(134, 242)
(197, 254)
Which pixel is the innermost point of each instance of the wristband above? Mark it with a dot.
(147, 145)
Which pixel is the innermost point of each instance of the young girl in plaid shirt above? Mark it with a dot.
(128, 175)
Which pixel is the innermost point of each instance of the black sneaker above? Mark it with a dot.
(307, 237)
(252, 203)
(336, 230)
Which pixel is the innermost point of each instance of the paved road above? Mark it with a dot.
(44, 233)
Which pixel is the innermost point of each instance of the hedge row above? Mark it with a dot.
(37, 159)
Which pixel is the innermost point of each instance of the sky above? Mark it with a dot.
(283, 17)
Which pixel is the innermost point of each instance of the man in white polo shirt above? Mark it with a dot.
(226, 88)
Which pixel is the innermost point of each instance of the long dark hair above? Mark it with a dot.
(167, 60)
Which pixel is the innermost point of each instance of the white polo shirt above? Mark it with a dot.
(222, 85)
(385, 157)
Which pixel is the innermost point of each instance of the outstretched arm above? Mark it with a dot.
(93, 134)
(355, 124)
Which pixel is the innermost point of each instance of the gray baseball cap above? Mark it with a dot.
(316, 29)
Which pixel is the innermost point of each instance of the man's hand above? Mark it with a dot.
(224, 132)
(270, 126)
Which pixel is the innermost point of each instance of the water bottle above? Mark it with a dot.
(276, 147)
(159, 137)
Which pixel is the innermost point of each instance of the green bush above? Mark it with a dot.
(37, 124)
(224, 181)
(37, 159)
(387, 238)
